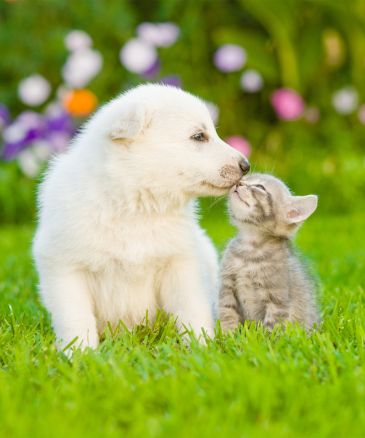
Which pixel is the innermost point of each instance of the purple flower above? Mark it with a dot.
(152, 71)
(26, 128)
(30, 120)
(32, 134)
(58, 120)
(32, 123)
(287, 103)
(12, 149)
(173, 80)
(229, 57)
(58, 141)
(4, 116)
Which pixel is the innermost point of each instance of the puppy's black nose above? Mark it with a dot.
(244, 166)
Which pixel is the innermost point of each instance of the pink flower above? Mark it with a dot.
(287, 103)
(240, 144)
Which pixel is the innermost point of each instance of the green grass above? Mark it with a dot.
(148, 383)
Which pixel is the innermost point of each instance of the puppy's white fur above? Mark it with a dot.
(117, 232)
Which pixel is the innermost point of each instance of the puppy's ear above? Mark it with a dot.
(130, 123)
(299, 208)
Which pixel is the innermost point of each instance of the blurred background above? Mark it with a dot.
(284, 80)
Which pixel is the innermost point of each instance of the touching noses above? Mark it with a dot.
(244, 165)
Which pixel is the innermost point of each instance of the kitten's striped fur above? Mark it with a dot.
(262, 277)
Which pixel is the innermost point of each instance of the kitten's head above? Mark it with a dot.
(265, 203)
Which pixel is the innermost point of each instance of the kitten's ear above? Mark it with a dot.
(129, 124)
(299, 208)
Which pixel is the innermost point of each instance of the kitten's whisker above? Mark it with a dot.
(215, 202)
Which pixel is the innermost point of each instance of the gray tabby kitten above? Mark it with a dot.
(262, 277)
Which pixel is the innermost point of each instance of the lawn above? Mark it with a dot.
(148, 383)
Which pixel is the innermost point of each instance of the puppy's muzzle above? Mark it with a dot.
(235, 173)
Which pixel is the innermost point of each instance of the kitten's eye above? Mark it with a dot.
(260, 186)
(199, 136)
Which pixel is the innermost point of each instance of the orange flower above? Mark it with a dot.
(79, 102)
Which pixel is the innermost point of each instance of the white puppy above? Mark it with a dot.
(117, 232)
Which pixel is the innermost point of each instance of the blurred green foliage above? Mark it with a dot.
(284, 40)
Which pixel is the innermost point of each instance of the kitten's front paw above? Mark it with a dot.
(269, 323)
(229, 326)
(274, 318)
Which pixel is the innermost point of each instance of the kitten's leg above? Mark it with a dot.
(274, 314)
(184, 294)
(229, 313)
(67, 298)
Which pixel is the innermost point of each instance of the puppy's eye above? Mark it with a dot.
(260, 186)
(199, 136)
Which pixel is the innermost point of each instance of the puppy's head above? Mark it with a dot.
(165, 139)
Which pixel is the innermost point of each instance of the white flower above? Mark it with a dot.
(34, 90)
(230, 57)
(82, 66)
(54, 109)
(32, 158)
(213, 110)
(41, 150)
(311, 114)
(251, 81)
(137, 55)
(158, 34)
(29, 163)
(62, 91)
(345, 100)
(77, 40)
(361, 114)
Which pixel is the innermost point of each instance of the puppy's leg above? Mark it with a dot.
(68, 299)
(209, 257)
(184, 294)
